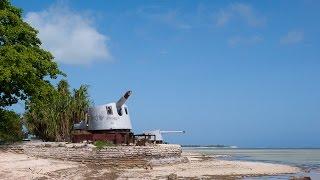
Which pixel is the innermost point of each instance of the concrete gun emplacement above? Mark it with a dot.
(109, 122)
(112, 122)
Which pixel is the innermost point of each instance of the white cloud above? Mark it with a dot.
(70, 36)
(292, 37)
(239, 11)
(171, 18)
(237, 40)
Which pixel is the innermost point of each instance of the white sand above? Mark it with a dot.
(200, 166)
(20, 166)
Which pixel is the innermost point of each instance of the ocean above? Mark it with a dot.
(306, 159)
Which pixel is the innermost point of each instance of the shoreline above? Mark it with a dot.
(21, 166)
(208, 167)
(244, 156)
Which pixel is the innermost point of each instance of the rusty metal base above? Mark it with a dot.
(114, 136)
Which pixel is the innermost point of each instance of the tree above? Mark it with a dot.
(24, 66)
(80, 104)
(51, 117)
(25, 73)
(10, 127)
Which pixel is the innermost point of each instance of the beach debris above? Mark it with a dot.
(148, 166)
(300, 178)
(172, 176)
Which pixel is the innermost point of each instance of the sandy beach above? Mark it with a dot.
(21, 166)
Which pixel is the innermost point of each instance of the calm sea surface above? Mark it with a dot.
(307, 159)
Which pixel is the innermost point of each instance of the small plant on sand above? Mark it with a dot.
(102, 144)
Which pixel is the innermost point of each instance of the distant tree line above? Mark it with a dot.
(211, 145)
(26, 71)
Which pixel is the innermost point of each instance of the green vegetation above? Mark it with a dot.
(51, 118)
(25, 73)
(24, 65)
(10, 128)
(102, 144)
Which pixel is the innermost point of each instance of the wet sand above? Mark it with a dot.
(200, 166)
(21, 166)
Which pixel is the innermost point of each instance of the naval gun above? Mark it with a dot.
(157, 134)
(112, 116)
(109, 122)
(121, 101)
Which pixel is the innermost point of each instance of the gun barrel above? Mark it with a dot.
(172, 132)
(123, 99)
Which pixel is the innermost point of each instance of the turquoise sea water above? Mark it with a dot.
(306, 159)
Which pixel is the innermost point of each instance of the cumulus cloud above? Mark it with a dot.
(237, 40)
(70, 36)
(292, 37)
(240, 11)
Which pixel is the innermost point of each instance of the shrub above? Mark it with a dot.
(10, 126)
(102, 144)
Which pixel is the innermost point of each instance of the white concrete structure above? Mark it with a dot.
(111, 116)
(108, 117)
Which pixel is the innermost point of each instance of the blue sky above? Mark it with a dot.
(242, 73)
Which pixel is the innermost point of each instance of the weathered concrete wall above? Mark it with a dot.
(12, 148)
(127, 156)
